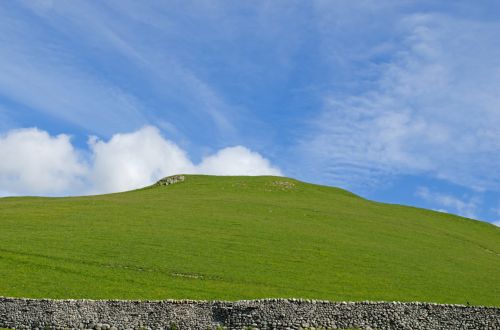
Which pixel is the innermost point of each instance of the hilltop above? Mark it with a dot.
(208, 237)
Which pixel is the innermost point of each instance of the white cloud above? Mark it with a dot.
(466, 207)
(135, 159)
(496, 223)
(37, 163)
(33, 162)
(237, 161)
(433, 108)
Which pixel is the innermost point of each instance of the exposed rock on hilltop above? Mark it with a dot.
(170, 180)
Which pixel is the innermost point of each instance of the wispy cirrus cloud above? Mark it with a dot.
(83, 63)
(466, 206)
(39, 73)
(432, 109)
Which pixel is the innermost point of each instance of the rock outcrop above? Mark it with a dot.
(170, 180)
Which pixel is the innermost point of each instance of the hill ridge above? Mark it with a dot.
(243, 238)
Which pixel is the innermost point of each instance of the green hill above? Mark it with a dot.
(240, 238)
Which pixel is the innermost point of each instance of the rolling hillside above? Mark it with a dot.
(240, 238)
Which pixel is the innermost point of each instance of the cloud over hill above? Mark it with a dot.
(42, 164)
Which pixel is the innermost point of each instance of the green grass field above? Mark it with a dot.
(241, 238)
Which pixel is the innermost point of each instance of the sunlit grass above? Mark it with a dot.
(243, 238)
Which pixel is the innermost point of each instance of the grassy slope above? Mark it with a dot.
(241, 238)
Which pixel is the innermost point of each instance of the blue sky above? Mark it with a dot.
(398, 101)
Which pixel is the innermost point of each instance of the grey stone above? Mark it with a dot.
(260, 314)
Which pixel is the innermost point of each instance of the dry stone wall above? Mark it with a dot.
(257, 314)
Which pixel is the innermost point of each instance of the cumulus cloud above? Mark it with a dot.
(135, 159)
(38, 163)
(466, 207)
(34, 162)
(237, 161)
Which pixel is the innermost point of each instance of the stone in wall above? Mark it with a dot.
(257, 314)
